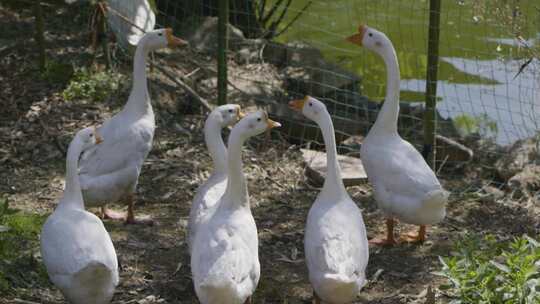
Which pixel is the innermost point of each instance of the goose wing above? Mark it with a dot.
(399, 170)
(121, 148)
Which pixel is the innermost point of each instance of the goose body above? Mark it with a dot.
(335, 241)
(79, 256)
(225, 259)
(138, 12)
(209, 193)
(225, 264)
(404, 186)
(110, 171)
(336, 249)
(77, 251)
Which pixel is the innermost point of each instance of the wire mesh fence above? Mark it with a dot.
(299, 49)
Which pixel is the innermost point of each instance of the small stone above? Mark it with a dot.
(493, 193)
(203, 37)
(522, 153)
(526, 182)
(183, 223)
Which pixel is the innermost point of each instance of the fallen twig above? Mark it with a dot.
(23, 301)
(187, 88)
(209, 69)
(192, 72)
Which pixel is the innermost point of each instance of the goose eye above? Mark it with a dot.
(311, 104)
(370, 34)
(160, 34)
(91, 135)
(259, 119)
(230, 111)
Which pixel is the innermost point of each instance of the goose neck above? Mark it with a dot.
(215, 144)
(333, 181)
(236, 193)
(72, 192)
(139, 98)
(388, 115)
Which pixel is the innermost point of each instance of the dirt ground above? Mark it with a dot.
(36, 125)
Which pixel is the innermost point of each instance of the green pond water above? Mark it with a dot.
(479, 56)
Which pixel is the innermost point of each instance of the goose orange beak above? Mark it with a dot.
(240, 113)
(272, 124)
(298, 105)
(174, 41)
(99, 139)
(358, 37)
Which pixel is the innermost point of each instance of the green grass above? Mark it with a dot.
(19, 242)
(326, 23)
(93, 87)
(487, 270)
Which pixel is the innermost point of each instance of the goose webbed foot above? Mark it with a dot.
(316, 299)
(413, 237)
(130, 219)
(383, 242)
(389, 240)
(108, 214)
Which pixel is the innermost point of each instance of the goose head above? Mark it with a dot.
(255, 123)
(309, 106)
(370, 38)
(88, 137)
(158, 39)
(228, 114)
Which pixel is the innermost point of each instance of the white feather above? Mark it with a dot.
(79, 256)
(110, 171)
(138, 12)
(76, 249)
(335, 241)
(404, 185)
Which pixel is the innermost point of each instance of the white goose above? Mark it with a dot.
(225, 257)
(76, 249)
(140, 15)
(404, 185)
(335, 241)
(109, 172)
(211, 191)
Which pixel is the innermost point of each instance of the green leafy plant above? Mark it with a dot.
(94, 87)
(271, 16)
(482, 124)
(486, 270)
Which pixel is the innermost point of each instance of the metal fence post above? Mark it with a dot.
(223, 46)
(430, 123)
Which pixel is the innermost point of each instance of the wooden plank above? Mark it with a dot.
(352, 169)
